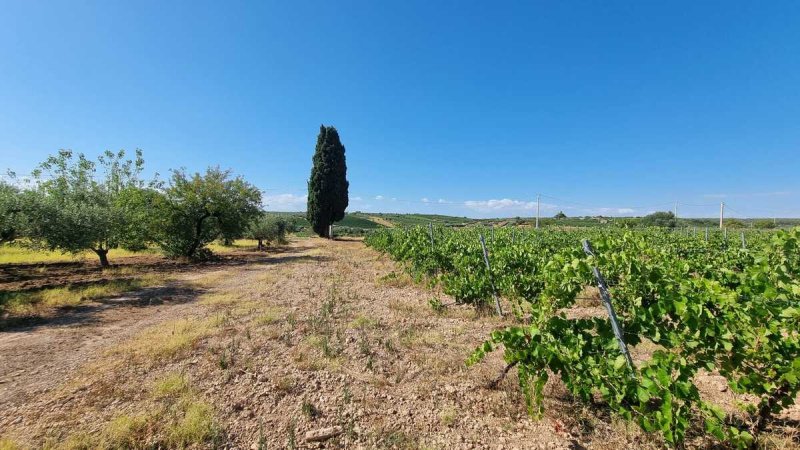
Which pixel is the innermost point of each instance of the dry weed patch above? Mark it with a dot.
(167, 340)
(37, 302)
(269, 316)
(173, 418)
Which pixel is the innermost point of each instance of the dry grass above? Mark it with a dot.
(8, 444)
(167, 340)
(37, 302)
(209, 279)
(395, 280)
(171, 385)
(363, 322)
(21, 254)
(221, 299)
(269, 315)
(239, 244)
(172, 417)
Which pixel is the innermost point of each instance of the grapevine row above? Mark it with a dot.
(703, 304)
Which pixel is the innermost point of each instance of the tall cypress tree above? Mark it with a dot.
(328, 185)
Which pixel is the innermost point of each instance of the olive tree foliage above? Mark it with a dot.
(78, 204)
(765, 224)
(194, 210)
(268, 229)
(664, 219)
(735, 223)
(328, 185)
(13, 217)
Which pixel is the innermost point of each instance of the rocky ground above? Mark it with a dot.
(317, 345)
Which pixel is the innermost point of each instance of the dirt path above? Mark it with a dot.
(39, 357)
(381, 221)
(324, 335)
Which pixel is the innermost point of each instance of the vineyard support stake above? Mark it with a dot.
(606, 296)
(430, 231)
(491, 279)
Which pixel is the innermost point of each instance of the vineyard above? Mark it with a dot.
(704, 302)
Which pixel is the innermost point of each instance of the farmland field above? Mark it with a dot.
(700, 304)
(335, 335)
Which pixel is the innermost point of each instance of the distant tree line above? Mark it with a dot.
(74, 204)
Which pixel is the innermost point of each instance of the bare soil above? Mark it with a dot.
(319, 334)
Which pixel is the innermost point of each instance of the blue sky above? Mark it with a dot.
(465, 108)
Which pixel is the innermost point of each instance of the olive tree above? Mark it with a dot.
(194, 210)
(78, 204)
(269, 229)
(664, 219)
(13, 218)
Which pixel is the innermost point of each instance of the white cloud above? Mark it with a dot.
(425, 200)
(499, 205)
(379, 197)
(506, 204)
(609, 211)
(441, 200)
(356, 199)
(285, 202)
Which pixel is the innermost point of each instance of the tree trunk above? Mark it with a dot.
(198, 229)
(102, 253)
(260, 244)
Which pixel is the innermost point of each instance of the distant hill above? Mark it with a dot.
(359, 222)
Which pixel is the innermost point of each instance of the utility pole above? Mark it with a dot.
(676, 209)
(721, 213)
(537, 210)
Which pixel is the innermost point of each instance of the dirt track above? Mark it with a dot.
(39, 357)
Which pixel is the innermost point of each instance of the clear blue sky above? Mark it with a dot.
(467, 108)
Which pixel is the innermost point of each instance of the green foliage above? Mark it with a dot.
(704, 304)
(72, 209)
(664, 219)
(355, 221)
(13, 218)
(268, 228)
(195, 210)
(560, 215)
(402, 220)
(328, 185)
(764, 224)
(734, 223)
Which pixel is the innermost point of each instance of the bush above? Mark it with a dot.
(268, 228)
(665, 219)
(734, 223)
(764, 224)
